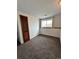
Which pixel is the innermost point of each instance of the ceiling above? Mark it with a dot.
(39, 8)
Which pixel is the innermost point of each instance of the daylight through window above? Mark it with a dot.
(46, 23)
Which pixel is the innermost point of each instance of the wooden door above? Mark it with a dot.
(25, 29)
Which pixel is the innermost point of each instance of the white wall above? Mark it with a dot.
(19, 30)
(33, 23)
(57, 20)
(52, 31)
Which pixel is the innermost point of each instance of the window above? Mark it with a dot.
(46, 23)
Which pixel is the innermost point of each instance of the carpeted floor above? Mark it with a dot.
(40, 47)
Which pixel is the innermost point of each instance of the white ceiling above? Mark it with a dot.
(38, 7)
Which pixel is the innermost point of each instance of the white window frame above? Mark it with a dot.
(46, 23)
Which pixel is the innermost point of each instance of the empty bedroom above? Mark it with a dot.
(38, 29)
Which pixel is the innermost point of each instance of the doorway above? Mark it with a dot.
(25, 28)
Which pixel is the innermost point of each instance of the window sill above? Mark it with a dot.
(51, 27)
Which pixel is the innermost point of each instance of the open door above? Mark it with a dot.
(25, 29)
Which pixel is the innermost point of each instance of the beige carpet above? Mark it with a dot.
(40, 47)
